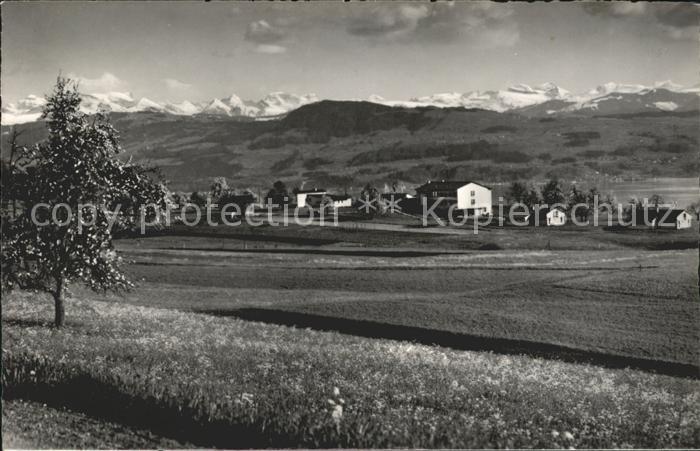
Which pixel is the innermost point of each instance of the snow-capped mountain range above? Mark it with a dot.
(272, 105)
(548, 98)
(521, 97)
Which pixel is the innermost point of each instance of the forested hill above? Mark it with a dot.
(346, 144)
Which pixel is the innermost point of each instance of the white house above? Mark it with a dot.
(302, 194)
(556, 217)
(474, 198)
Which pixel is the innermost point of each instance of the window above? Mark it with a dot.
(473, 193)
(473, 202)
(556, 213)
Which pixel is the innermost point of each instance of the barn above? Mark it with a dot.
(474, 198)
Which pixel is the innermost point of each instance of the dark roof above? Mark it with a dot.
(445, 185)
(315, 190)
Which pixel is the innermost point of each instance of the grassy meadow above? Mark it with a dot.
(216, 381)
(587, 341)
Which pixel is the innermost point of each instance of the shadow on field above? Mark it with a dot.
(460, 341)
(256, 237)
(348, 252)
(107, 400)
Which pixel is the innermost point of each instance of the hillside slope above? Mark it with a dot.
(346, 144)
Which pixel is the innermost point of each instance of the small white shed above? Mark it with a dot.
(671, 218)
(556, 217)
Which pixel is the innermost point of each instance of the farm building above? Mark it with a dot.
(302, 195)
(550, 217)
(330, 200)
(474, 198)
(664, 218)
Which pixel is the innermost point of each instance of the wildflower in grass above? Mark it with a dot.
(337, 414)
(555, 433)
(336, 407)
(568, 435)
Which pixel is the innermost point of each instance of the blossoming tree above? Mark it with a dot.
(75, 192)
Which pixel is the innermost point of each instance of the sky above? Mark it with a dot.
(172, 51)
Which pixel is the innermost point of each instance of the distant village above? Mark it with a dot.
(550, 206)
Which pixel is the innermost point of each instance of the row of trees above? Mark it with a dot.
(221, 193)
(553, 192)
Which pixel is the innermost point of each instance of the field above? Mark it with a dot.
(621, 301)
(403, 338)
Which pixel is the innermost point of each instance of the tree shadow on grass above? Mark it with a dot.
(107, 400)
(459, 341)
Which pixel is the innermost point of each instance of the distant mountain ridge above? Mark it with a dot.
(544, 99)
(345, 144)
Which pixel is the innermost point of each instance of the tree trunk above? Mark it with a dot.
(60, 311)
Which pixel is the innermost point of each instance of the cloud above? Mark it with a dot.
(261, 32)
(174, 84)
(676, 20)
(388, 21)
(678, 15)
(104, 83)
(615, 9)
(481, 23)
(680, 21)
(270, 49)
(266, 37)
